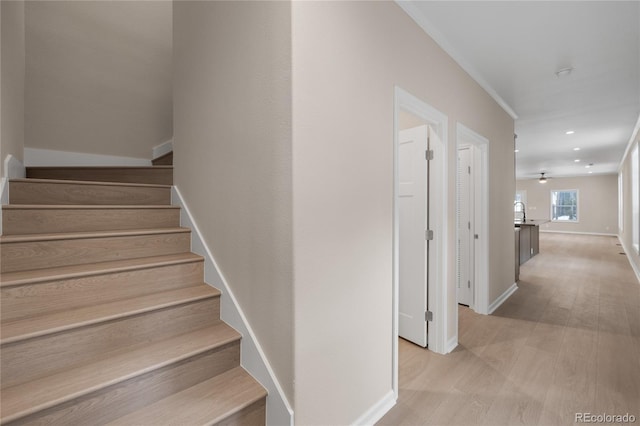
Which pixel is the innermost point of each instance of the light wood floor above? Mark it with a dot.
(567, 341)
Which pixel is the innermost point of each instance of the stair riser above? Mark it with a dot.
(42, 298)
(153, 175)
(45, 221)
(165, 160)
(76, 194)
(120, 399)
(21, 256)
(41, 356)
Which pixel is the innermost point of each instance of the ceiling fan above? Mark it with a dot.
(543, 178)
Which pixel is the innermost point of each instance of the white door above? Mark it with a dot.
(412, 247)
(465, 227)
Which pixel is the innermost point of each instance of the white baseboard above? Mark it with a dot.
(578, 233)
(377, 410)
(253, 358)
(13, 169)
(452, 343)
(628, 250)
(36, 157)
(501, 299)
(162, 149)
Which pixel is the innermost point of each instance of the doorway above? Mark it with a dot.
(472, 192)
(429, 221)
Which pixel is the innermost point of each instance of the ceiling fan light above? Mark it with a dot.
(542, 180)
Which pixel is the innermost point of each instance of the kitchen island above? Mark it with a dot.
(529, 235)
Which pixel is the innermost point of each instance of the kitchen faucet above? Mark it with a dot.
(524, 213)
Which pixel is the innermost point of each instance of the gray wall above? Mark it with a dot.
(232, 155)
(98, 76)
(347, 58)
(597, 203)
(12, 84)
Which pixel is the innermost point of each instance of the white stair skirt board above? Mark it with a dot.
(13, 169)
(628, 250)
(501, 299)
(377, 410)
(253, 359)
(36, 157)
(162, 149)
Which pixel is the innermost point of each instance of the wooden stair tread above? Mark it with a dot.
(85, 207)
(34, 326)
(28, 398)
(6, 239)
(9, 279)
(88, 182)
(206, 403)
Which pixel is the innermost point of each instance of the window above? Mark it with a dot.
(564, 205)
(519, 202)
(635, 199)
(621, 201)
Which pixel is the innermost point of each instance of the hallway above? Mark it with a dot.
(567, 342)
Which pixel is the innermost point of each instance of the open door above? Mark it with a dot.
(465, 228)
(413, 206)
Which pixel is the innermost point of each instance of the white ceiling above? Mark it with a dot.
(514, 48)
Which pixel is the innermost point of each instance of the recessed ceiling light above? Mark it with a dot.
(576, 149)
(590, 172)
(588, 166)
(564, 72)
(577, 160)
(570, 132)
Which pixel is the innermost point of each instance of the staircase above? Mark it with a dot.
(105, 318)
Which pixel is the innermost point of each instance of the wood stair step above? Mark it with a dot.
(36, 326)
(20, 219)
(162, 175)
(39, 346)
(10, 279)
(37, 251)
(206, 403)
(53, 191)
(111, 387)
(42, 291)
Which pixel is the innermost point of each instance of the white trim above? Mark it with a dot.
(601, 234)
(253, 358)
(452, 343)
(162, 149)
(502, 298)
(632, 139)
(13, 169)
(377, 410)
(465, 135)
(437, 294)
(416, 14)
(36, 157)
(625, 247)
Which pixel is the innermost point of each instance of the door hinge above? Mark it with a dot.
(469, 169)
(428, 316)
(429, 154)
(469, 225)
(469, 284)
(428, 235)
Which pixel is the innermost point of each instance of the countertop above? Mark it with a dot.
(531, 222)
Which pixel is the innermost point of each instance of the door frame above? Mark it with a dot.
(438, 279)
(480, 173)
